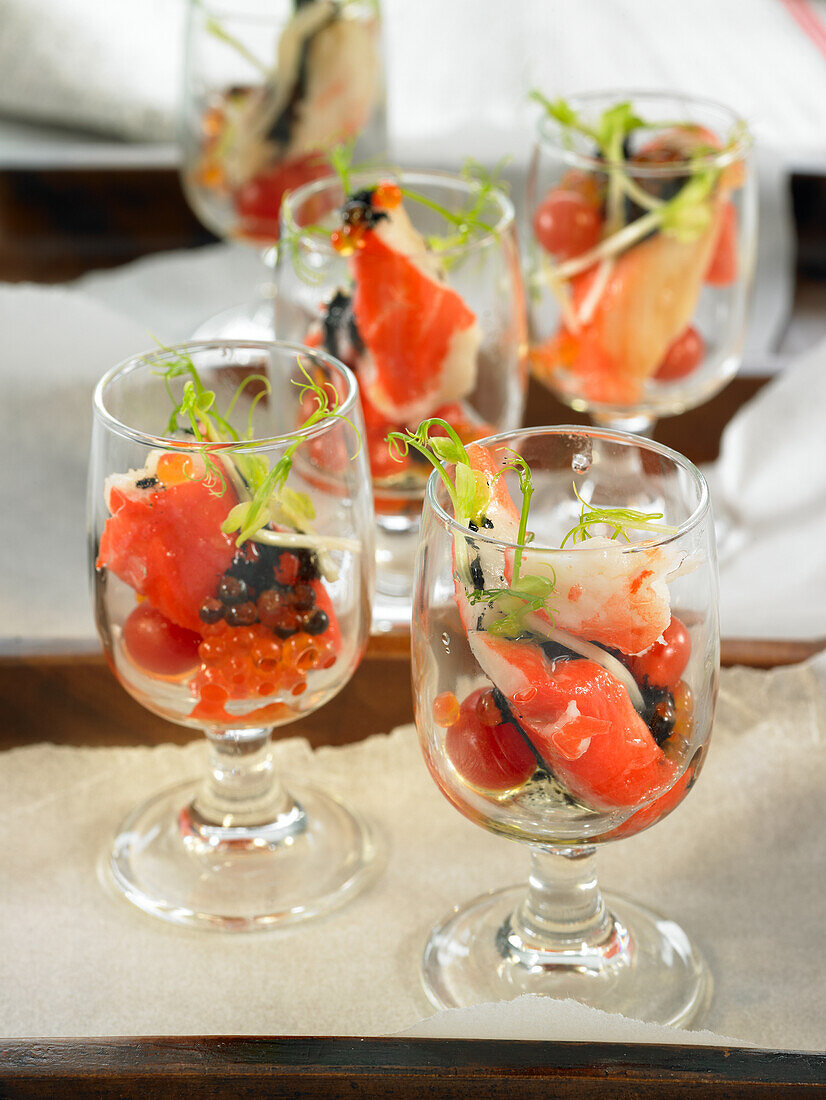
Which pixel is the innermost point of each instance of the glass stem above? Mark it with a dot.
(638, 425)
(563, 919)
(242, 800)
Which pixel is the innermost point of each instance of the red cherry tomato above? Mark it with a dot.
(722, 270)
(566, 224)
(664, 662)
(684, 356)
(493, 758)
(258, 201)
(159, 645)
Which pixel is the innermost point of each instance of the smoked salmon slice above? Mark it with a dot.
(581, 722)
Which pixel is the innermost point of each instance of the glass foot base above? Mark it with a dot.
(315, 863)
(655, 974)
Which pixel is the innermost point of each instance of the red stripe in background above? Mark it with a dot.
(801, 11)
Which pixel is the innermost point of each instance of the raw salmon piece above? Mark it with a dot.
(167, 544)
(580, 720)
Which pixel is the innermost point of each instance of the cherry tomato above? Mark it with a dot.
(159, 645)
(664, 662)
(684, 356)
(492, 758)
(258, 201)
(566, 224)
(723, 267)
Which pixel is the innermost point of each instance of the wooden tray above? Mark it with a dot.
(76, 700)
(56, 225)
(232, 1068)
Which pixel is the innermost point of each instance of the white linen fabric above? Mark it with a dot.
(740, 864)
(116, 67)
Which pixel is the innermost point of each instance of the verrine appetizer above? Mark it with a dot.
(642, 243)
(270, 89)
(233, 566)
(412, 279)
(565, 654)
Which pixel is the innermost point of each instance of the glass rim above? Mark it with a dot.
(550, 131)
(433, 176)
(220, 10)
(157, 355)
(591, 432)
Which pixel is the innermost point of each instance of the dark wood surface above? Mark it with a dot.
(228, 1068)
(57, 225)
(75, 700)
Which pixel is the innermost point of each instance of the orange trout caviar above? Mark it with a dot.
(445, 709)
(250, 662)
(684, 706)
(346, 240)
(387, 195)
(174, 469)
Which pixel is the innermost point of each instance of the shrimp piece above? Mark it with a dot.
(609, 593)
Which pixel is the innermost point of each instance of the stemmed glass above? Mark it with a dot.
(231, 537)
(564, 698)
(270, 87)
(642, 240)
(413, 279)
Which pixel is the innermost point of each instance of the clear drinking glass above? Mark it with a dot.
(413, 278)
(641, 253)
(564, 698)
(231, 538)
(270, 87)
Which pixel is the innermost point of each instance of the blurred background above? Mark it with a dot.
(458, 70)
(89, 103)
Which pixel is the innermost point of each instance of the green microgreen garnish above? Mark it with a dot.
(622, 520)
(468, 489)
(271, 499)
(468, 220)
(685, 216)
(219, 31)
(462, 224)
(522, 470)
(528, 595)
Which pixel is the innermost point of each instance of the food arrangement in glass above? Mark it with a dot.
(565, 656)
(271, 86)
(232, 548)
(642, 245)
(413, 280)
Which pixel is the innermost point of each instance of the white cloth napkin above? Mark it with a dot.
(57, 343)
(768, 488)
(740, 865)
(117, 67)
